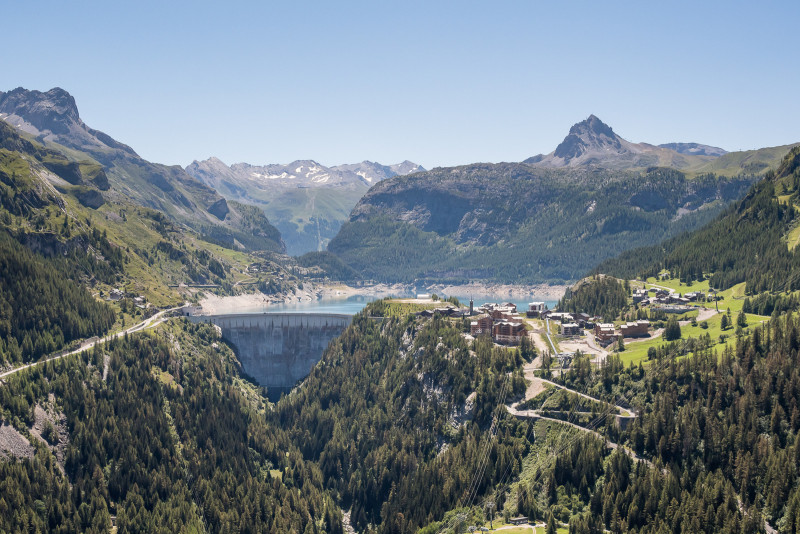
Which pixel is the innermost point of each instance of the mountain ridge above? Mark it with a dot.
(593, 142)
(307, 201)
(52, 119)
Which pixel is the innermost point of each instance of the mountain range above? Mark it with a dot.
(593, 143)
(406, 424)
(549, 218)
(51, 118)
(305, 200)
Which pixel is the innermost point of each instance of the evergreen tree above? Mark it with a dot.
(741, 319)
(552, 528)
(673, 330)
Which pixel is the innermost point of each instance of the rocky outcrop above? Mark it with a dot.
(219, 209)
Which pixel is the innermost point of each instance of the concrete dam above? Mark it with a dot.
(278, 349)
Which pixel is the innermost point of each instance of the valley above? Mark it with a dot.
(306, 201)
(194, 375)
(399, 268)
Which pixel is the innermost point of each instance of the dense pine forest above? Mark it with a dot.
(753, 241)
(402, 404)
(41, 310)
(159, 432)
(406, 423)
(603, 296)
(721, 430)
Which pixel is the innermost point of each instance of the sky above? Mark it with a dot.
(439, 83)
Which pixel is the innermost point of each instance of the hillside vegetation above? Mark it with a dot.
(67, 239)
(748, 243)
(517, 223)
(83, 157)
(159, 431)
(403, 404)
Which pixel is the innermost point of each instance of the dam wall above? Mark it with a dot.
(278, 349)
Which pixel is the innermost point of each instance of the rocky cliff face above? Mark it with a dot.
(54, 111)
(53, 118)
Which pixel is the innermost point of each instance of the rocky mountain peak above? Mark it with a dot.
(695, 149)
(586, 136)
(54, 110)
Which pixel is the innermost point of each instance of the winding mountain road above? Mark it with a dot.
(150, 322)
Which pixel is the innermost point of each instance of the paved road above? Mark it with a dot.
(535, 414)
(150, 322)
(578, 393)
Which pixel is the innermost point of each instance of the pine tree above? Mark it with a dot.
(672, 330)
(741, 319)
(551, 524)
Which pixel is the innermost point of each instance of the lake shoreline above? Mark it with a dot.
(215, 305)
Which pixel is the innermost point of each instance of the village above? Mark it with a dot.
(562, 334)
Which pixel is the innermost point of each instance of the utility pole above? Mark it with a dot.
(490, 506)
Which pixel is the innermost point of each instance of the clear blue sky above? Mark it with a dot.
(439, 83)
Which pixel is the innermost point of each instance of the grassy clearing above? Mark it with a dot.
(637, 352)
(396, 308)
(793, 238)
(732, 298)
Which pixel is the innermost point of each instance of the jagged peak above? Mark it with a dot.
(593, 124)
(53, 110)
(586, 136)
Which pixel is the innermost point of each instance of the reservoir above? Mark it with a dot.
(278, 344)
(354, 304)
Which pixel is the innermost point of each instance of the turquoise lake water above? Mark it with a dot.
(354, 304)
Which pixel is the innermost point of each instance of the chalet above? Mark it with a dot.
(570, 329)
(661, 293)
(488, 306)
(535, 309)
(635, 329)
(510, 305)
(482, 326)
(519, 520)
(695, 296)
(115, 294)
(507, 332)
(604, 332)
(562, 317)
(584, 320)
(639, 295)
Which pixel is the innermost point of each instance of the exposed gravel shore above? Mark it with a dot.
(213, 304)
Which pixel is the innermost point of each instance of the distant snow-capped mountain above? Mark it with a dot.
(306, 200)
